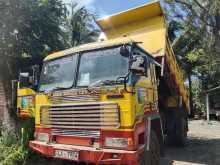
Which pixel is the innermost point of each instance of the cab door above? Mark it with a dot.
(146, 90)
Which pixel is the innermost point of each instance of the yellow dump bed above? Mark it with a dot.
(146, 24)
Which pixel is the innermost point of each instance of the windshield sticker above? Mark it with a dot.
(141, 94)
(45, 70)
(84, 79)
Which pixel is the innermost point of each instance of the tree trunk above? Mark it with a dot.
(7, 122)
(217, 31)
(2, 103)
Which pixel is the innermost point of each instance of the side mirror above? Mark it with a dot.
(124, 51)
(36, 73)
(24, 79)
(139, 65)
(24, 75)
(29, 79)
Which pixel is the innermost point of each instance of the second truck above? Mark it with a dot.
(113, 101)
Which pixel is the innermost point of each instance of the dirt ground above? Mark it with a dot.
(203, 146)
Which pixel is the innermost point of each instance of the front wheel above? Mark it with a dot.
(151, 157)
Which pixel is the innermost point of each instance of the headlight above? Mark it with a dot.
(43, 137)
(117, 142)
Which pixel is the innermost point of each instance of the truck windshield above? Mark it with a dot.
(101, 65)
(58, 73)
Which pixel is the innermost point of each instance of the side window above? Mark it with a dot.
(139, 52)
(148, 71)
(155, 75)
(152, 72)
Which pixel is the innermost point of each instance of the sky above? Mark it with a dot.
(104, 8)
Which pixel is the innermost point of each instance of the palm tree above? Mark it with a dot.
(81, 27)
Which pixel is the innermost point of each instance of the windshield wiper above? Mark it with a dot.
(56, 88)
(60, 88)
(102, 82)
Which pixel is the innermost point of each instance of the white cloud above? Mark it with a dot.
(80, 2)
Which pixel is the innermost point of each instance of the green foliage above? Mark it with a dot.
(197, 23)
(198, 26)
(32, 29)
(198, 96)
(13, 155)
(41, 32)
(12, 151)
(14, 145)
(80, 26)
(194, 55)
(173, 28)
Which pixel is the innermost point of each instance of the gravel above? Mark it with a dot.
(203, 146)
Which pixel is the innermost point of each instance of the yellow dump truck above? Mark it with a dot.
(26, 88)
(112, 101)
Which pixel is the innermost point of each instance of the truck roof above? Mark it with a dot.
(90, 46)
(95, 46)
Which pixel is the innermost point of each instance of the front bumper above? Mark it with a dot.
(88, 154)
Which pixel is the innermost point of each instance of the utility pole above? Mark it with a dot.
(207, 106)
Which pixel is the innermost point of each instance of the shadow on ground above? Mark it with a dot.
(198, 151)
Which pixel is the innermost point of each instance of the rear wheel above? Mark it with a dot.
(151, 157)
(181, 133)
(178, 134)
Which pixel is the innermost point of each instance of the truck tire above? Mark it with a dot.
(178, 135)
(181, 132)
(151, 157)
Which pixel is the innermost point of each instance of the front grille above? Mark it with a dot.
(76, 133)
(83, 116)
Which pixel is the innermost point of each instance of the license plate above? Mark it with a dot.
(72, 155)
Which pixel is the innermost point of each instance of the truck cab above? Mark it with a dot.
(92, 102)
(25, 89)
